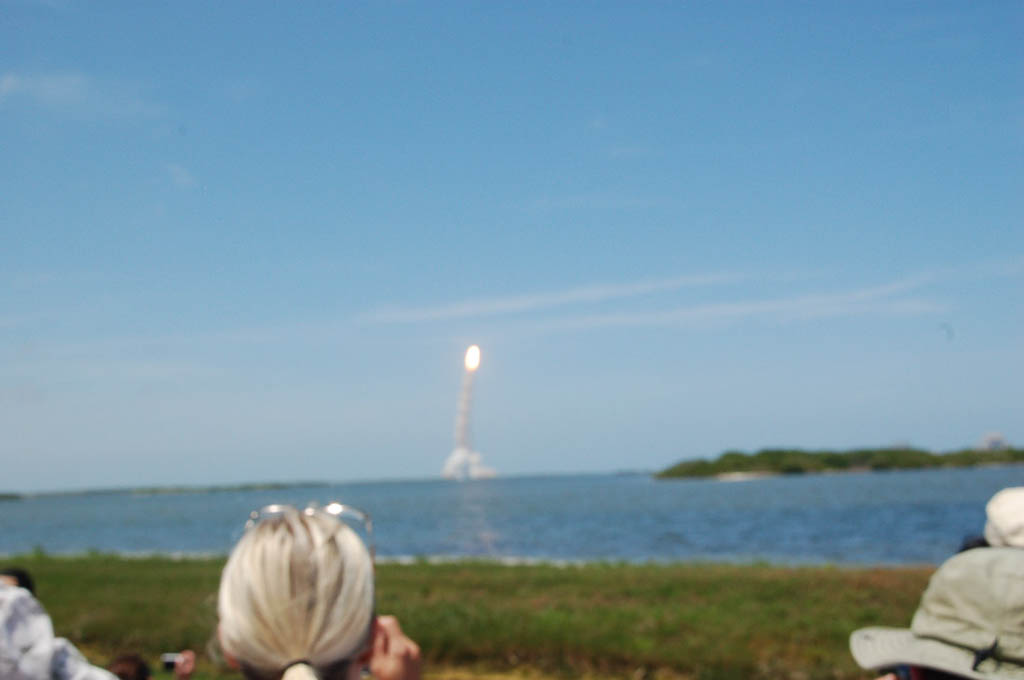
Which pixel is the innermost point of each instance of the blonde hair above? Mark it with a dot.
(296, 595)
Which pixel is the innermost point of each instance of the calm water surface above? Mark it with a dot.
(856, 518)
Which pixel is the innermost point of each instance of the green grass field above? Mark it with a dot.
(476, 619)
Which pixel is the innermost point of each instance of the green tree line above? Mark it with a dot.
(799, 461)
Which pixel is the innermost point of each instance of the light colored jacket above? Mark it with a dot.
(28, 649)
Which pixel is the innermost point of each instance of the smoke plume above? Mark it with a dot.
(464, 462)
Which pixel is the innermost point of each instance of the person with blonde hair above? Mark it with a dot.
(296, 601)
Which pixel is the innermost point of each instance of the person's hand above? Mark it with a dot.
(394, 655)
(185, 664)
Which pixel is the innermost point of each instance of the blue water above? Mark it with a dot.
(856, 518)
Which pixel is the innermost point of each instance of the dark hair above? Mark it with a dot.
(972, 542)
(906, 672)
(22, 577)
(936, 674)
(129, 667)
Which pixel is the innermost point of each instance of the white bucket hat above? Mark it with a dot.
(1005, 523)
(970, 621)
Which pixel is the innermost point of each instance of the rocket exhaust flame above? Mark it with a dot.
(464, 462)
(472, 358)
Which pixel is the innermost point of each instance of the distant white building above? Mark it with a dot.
(993, 441)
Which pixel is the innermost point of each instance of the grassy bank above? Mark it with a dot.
(706, 621)
(798, 461)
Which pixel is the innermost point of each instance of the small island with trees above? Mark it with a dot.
(740, 465)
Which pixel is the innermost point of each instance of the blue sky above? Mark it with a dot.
(251, 241)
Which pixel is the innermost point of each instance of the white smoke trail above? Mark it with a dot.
(462, 411)
(464, 462)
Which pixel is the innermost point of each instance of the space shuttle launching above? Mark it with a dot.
(464, 462)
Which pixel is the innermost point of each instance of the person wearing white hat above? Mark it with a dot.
(969, 624)
(1004, 522)
(1004, 525)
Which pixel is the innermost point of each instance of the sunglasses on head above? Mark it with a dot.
(354, 518)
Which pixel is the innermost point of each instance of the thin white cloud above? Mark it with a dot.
(896, 298)
(73, 93)
(9, 322)
(31, 279)
(180, 176)
(631, 151)
(538, 301)
(76, 366)
(243, 90)
(49, 4)
(876, 300)
(1007, 267)
(591, 202)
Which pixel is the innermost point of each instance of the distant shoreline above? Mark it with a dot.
(730, 466)
(733, 466)
(164, 490)
(265, 486)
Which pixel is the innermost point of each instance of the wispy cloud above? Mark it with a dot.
(895, 298)
(180, 176)
(30, 279)
(591, 202)
(887, 300)
(9, 322)
(242, 90)
(49, 4)
(77, 366)
(631, 151)
(73, 93)
(539, 301)
(1006, 267)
